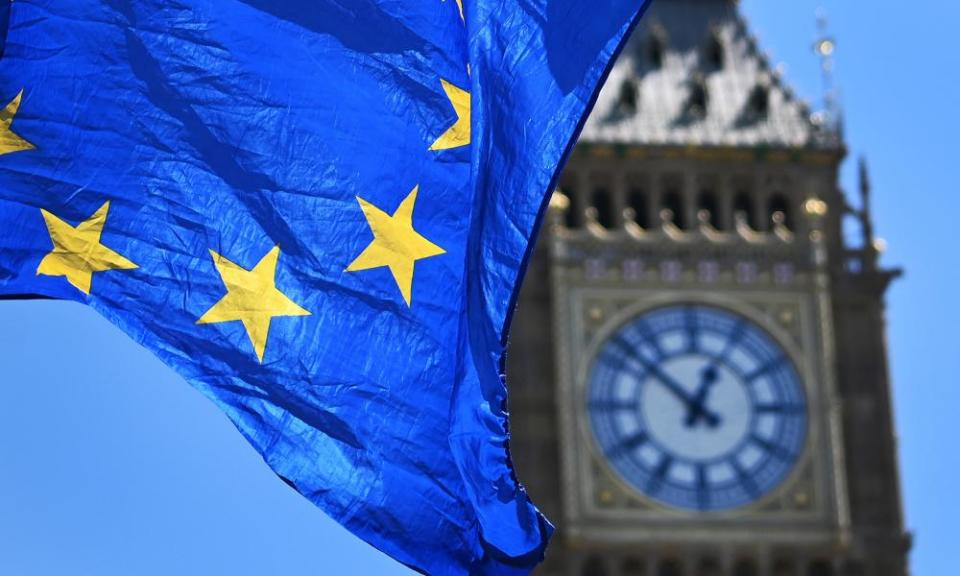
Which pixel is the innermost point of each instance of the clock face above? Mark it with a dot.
(697, 407)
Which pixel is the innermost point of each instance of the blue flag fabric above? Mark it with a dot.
(319, 213)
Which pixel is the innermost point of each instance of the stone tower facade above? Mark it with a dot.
(697, 366)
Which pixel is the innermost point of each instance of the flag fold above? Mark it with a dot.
(319, 213)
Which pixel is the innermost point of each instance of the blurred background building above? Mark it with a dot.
(698, 364)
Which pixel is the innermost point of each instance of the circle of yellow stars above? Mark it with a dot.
(252, 297)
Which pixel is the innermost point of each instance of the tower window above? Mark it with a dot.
(708, 567)
(707, 204)
(778, 209)
(783, 272)
(708, 271)
(746, 272)
(742, 204)
(633, 269)
(820, 568)
(783, 567)
(594, 566)
(854, 568)
(657, 47)
(673, 203)
(698, 100)
(745, 568)
(758, 105)
(714, 53)
(627, 101)
(603, 203)
(633, 567)
(669, 568)
(671, 270)
(638, 202)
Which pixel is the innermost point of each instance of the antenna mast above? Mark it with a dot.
(825, 46)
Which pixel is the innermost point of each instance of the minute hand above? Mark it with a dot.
(675, 388)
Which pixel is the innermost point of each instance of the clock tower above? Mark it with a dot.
(697, 367)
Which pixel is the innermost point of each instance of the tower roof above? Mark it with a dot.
(693, 75)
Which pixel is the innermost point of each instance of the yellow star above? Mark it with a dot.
(395, 243)
(458, 134)
(77, 252)
(10, 141)
(252, 298)
(460, 6)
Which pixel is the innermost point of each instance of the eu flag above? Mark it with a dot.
(318, 212)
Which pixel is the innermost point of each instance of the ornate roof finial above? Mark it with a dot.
(825, 46)
(866, 219)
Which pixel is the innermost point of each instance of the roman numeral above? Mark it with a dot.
(650, 338)
(632, 352)
(736, 334)
(703, 492)
(626, 349)
(771, 365)
(627, 352)
(627, 445)
(777, 408)
(692, 330)
(772, 448)
(660, 474)
(612, 405)
(745, 480)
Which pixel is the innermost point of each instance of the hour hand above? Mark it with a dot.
(696, 409)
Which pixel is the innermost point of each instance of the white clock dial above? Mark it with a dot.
(697, 407)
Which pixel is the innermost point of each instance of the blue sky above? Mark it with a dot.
(897, 67)
(110, 464)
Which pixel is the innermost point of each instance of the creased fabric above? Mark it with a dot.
(318, 213)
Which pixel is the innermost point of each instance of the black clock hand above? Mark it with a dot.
(709, 378)
(697, 408)
(674, 387)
